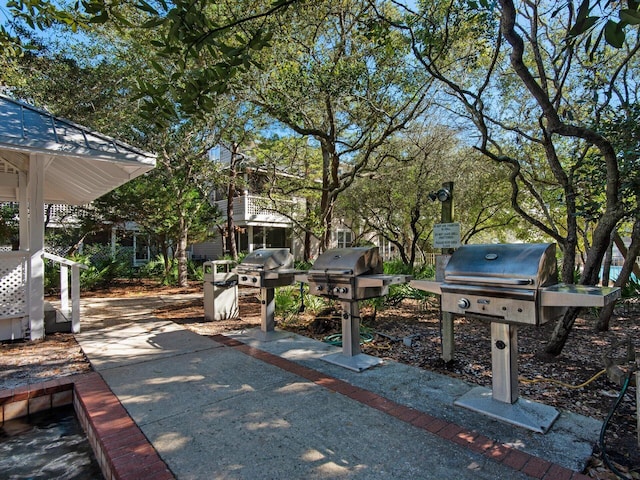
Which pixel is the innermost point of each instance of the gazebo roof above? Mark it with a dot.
(80, 164)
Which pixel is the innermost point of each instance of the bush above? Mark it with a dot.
(155, 269)
(632, 288)
(289, 301)
(402, 291)
(103, 268)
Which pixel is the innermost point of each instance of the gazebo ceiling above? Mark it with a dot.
(80, 164)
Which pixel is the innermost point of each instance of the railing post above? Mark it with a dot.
(64, 289)
(75, 298)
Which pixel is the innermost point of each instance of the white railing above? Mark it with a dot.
(252, 208)
(13, 284)
(64, 288)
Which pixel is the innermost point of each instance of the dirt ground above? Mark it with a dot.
(410, 333)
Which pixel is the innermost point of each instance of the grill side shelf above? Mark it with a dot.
(563, 295)
(427, 285)
(497, 281)
(381, 280)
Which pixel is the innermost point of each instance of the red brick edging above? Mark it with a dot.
(120, 447)
(528, 464)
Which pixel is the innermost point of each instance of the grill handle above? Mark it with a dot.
(488, 280)
(331, 272)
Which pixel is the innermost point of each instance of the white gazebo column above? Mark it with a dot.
(250, 238)
(23, 210)
(36, 246)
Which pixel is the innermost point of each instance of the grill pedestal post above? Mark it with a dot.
(267, 332)
(502, 402)
(504, 361)
(350, 329)
(351, 357)
(267, 309)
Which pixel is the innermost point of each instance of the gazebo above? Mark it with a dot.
(49, 160)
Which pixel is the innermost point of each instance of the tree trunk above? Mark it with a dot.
(606, 264)
(167, 261)
(561, 332)
(613, 211)
(181, 253)
(630, 256)
(307, 234)
(231, 193)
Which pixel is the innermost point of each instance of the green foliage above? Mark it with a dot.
(9, 225)
(632, 288)
(289, 304)
(403, 291)
(597, 20)
(301, 265)
(103, 269)
(156, 269)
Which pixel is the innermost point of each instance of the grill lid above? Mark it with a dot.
(503, 265)
(353, 261)
(265, 259)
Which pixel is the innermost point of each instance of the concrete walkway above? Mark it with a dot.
(233, 407)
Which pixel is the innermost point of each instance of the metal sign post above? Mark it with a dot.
(447, 317)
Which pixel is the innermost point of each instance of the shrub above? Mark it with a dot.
(402, 291)
(289, 301)
(155, 269)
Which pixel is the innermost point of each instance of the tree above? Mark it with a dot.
(394, 201)
(533, 112)
(336, 79)
(293, 168)
(95, 85)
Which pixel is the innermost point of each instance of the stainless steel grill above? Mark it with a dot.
(266, 269)
(350, 275)
(509, 285)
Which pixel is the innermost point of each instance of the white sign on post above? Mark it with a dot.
(446, 235)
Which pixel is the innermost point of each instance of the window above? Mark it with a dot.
(345, 238)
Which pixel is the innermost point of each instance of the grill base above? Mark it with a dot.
(351, 357)
(533, 416)
(357, 363)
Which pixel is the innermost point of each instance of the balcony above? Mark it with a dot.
(255, 210)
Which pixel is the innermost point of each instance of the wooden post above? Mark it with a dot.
(448, 346)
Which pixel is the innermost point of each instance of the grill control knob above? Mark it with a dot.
(254, 280)
(319, 288)
(464, 303)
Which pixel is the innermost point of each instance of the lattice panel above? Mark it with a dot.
(13, 287)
